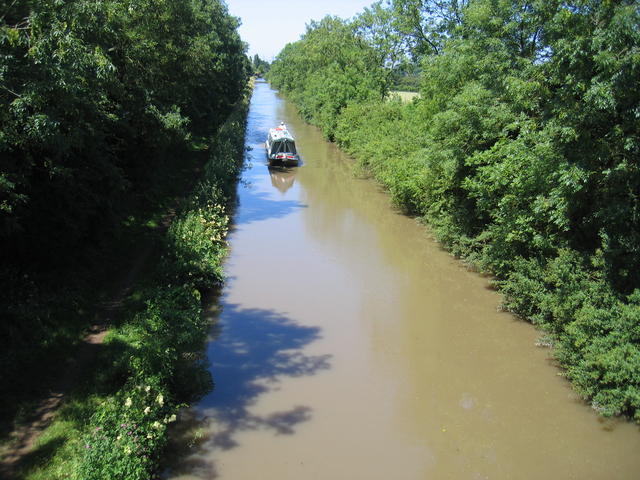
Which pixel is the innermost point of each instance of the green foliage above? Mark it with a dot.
(260, 67)
(520, 152)
(425, 24)
(114, 423)
(384, 137)
(154, 358)
(196, 242)
(329, 68)
(130, 431)
(102, 105)
(406, 82)
(91, 93)
(156, 365)
(597, 332)
(96, 98)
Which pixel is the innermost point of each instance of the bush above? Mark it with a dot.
(128, 434)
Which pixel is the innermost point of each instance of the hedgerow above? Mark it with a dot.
(159, 365)
(97, 99)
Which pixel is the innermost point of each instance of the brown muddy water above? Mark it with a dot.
(350, 346)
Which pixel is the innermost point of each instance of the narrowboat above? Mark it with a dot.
(281, 147)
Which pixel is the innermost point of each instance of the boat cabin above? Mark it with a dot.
(281, 147)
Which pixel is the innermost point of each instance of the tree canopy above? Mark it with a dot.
(96, 98)
(328, 68)
(260, 66)
(90, 92)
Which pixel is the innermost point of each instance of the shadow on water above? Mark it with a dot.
(253, 351)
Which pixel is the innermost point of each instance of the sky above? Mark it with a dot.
(268, 25)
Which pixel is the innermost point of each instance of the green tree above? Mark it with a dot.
(327, 69)
(94, 96)
(426, 24)
(260, 67)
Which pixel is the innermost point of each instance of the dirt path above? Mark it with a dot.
(24, 437)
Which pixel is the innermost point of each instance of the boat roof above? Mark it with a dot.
(280, 133)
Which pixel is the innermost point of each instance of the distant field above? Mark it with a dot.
(404, 96)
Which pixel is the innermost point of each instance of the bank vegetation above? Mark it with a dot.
(521, 153)
(122, 139)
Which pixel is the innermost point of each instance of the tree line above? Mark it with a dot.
(90, 92)
(99, 102)
(521, 153)
(259, 66)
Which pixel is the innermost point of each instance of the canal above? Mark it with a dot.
(349, 345)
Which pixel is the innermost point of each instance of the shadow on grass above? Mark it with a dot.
(253, 352)
(38, 457)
